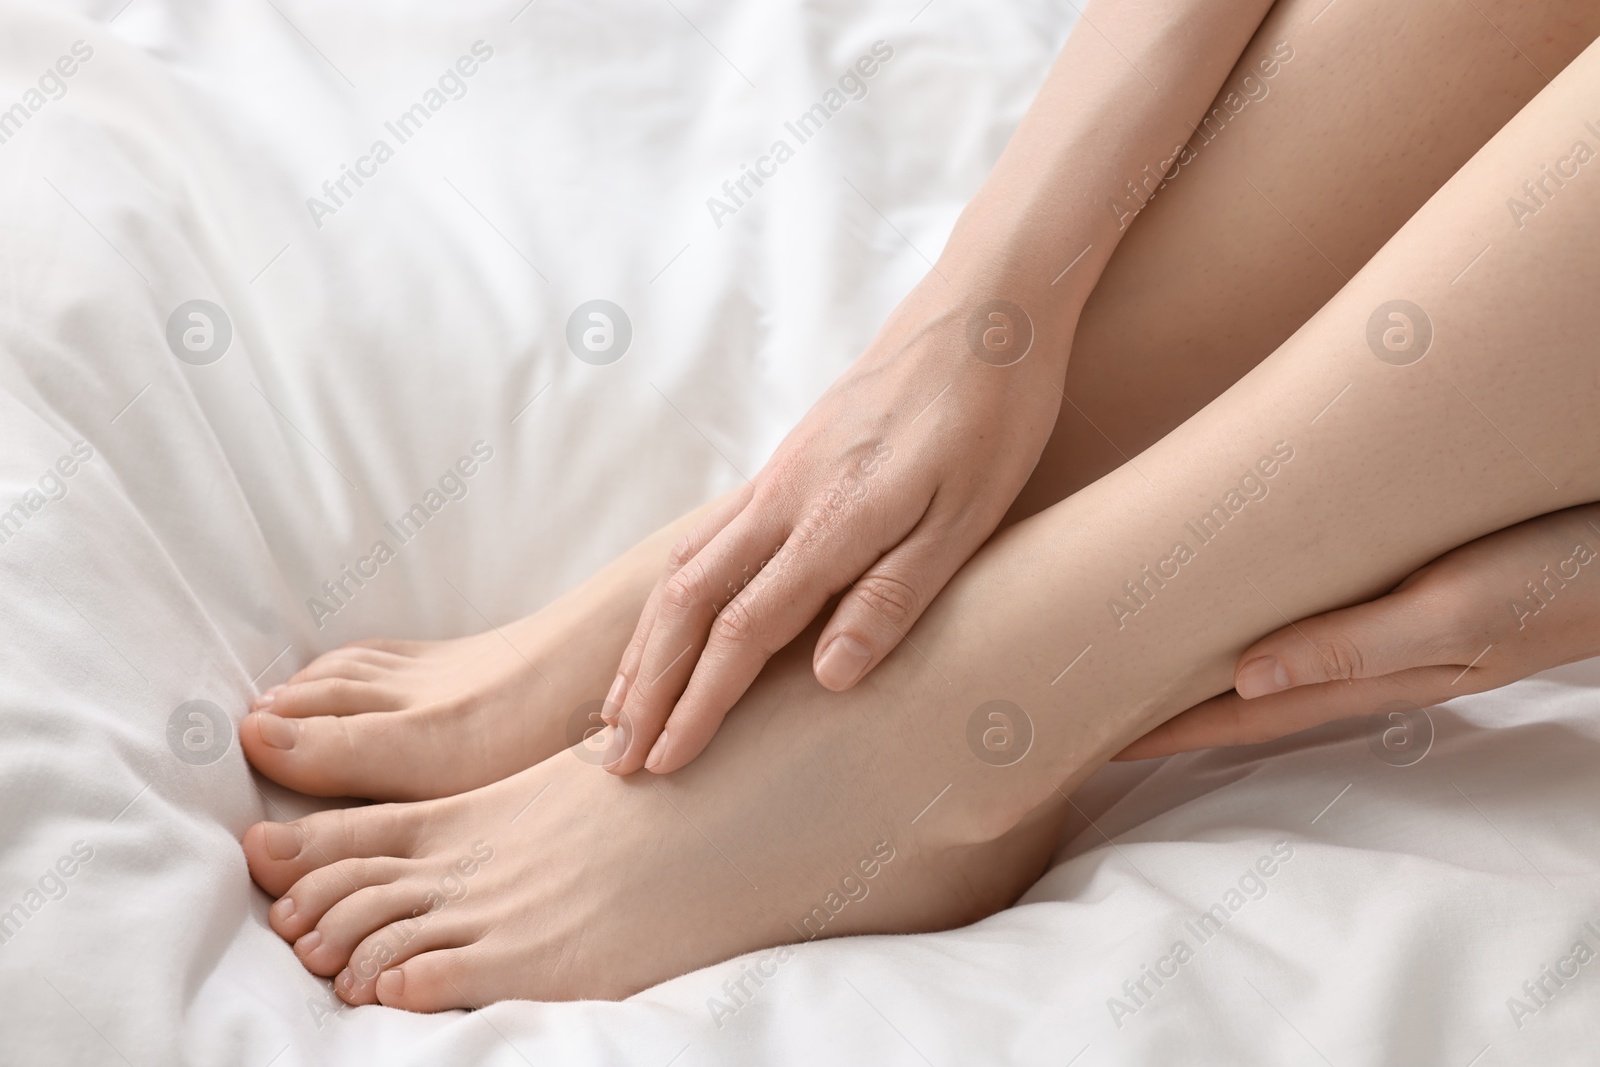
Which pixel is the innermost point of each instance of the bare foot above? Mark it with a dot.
(927, 796)
(412, 720)
(565, 882)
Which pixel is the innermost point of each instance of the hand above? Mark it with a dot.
(1485, 615)
(888, 485)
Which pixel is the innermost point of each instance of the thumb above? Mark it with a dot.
(1383, 636)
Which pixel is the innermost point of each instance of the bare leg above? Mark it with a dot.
(1285, 201)
(1211, 279)
(1332, 469)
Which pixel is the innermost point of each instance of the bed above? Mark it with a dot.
(271, 267)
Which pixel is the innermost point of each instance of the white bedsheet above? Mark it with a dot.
(374, 344)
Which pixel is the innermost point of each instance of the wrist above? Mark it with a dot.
(1049, 285)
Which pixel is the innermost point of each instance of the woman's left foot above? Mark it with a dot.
(414, 720)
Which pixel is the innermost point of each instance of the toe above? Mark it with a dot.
(338, 755)
(362, 664)
(391, 645)
(351, 921)
(330, 696)
(393, 945)
(280, 854)
(434, 981)
(302, 908)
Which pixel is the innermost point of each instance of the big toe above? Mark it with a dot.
(372, 756)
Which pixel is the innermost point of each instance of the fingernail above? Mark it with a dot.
(277, 731)
(658, 752)
(346, 981)
(614, 699)
(391, 984)
(842, 662)
(283, 910)
(308, 944)
(283, 840)
(1261, 676)
(265, 699)
(613, 742)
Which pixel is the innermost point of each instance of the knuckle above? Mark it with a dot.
(737, 623)
(821, 516)
(890, 597)
(1340, 657)
(683, 591)
(682, 552)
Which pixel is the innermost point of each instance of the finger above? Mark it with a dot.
(1231, 720)
(687, 609)
(1384, 636)
(611, 708)
(722, 513)
(885, 602)
(766, 615)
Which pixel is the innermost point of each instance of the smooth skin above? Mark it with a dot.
(1211, 277)
(602, 885)
(910, 460)
(1490, 613)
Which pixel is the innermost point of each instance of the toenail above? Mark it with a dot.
(283, 840)
(391, 984)
(308, 944)
(277, 731)
(346, 981)
(283, 910)
(614, 699)
(658, 752)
